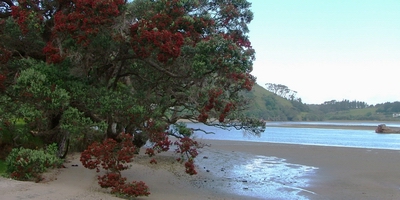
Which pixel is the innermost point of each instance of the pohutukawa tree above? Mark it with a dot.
(90, 69)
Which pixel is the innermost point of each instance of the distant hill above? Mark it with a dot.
(379, 112)
(269, 106)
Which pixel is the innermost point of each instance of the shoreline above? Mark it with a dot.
(337, 173)
(322, 126)
(328, 125)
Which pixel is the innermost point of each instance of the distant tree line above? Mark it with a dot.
(277, 111)
(285, 106)
(333, 105)
(282, 91)
(388, 107)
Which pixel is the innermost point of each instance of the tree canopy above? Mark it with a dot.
(94, 68)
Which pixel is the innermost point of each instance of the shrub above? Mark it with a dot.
(114, 157)
(28, 164)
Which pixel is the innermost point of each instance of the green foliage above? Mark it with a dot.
(334, 106)
(16, 133)
(35, 83)
(272, 107)
(181, 130)
(80, 130)
(3, 167)
(28, 164)
(388, 107)
(360, 114)
(74, 77)
(130, 67)
(269, 106)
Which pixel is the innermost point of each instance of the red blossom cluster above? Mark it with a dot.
(114, 156)
(238, 38)
(53, 54)
(110, 155)
(225, 112)
(153, 161)
(86, 17)
(21, 16)
(190, 169)
(150, 152)
(217, 105)
(134, 189)
(203, 116)
(25, 13)
(212, 101)
(187, 148)
(165, 32)
(111, 180)
(118, 185)
(158, 137)
(247, 80)
(146, 40)
(82, 19)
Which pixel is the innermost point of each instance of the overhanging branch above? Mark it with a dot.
(159, 68)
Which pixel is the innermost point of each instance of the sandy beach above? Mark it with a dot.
(337, 173)
(343, 173)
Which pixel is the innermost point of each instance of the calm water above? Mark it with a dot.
(312, 136)
(273, 178)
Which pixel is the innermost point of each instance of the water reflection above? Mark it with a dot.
(254, 176)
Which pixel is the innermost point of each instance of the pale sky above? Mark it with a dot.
(329, 49)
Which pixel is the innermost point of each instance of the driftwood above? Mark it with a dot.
(382, 128)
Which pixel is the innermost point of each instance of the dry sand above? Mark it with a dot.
(343, 173)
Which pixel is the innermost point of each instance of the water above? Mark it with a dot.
(311, 136)
(274, 178)
(339, 123)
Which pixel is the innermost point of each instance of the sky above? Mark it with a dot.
(329, 50)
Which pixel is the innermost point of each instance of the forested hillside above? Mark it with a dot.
(274, 105)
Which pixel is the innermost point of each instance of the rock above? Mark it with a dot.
(382, 128)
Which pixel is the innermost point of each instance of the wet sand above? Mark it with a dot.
(343, 173)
